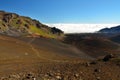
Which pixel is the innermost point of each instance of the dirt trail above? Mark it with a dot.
(38, 54)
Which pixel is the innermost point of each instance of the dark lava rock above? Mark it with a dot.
(108, 57)
(93, 62)
(97, 70)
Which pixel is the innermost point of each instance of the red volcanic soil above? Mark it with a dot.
(31, 50)
(34, 58)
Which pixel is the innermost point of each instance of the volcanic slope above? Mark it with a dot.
(94, 45)
(13, 24)
(30, 50)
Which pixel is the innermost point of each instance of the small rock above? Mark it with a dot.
(81, 72)
(97, 70)
(29, 74)
(58, 74)
(14, 76)
(26, 54)
(58, 77)
(93, 62)
(34, 78)
(76, 75)
(87, 64)
(50, 74)
(98, 78)
(27, 77)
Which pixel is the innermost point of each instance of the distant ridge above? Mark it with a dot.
(115, 29)
(13, 24)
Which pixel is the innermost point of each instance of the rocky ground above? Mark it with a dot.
(93, 70)
(48, 59)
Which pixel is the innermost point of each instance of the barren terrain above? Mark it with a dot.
(30, 58)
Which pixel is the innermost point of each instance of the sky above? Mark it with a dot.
(66, 11)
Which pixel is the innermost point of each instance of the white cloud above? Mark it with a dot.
(81, 28)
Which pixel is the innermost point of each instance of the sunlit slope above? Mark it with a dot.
(37, 49)
(13, 24)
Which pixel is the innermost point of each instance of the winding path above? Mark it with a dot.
(38, 54)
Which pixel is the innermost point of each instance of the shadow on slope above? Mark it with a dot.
(93, 44)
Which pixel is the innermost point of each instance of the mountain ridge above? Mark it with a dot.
(13, 24)
(115, 29)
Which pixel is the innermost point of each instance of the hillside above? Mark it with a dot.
(33, 58)
(95, 45)
(112, 33)
(115, 29)
(115, 38)
(15, 25)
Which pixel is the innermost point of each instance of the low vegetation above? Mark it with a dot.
(12, 23)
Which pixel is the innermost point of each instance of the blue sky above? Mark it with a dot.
(66, 11)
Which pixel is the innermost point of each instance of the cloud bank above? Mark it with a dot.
(81, 28)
